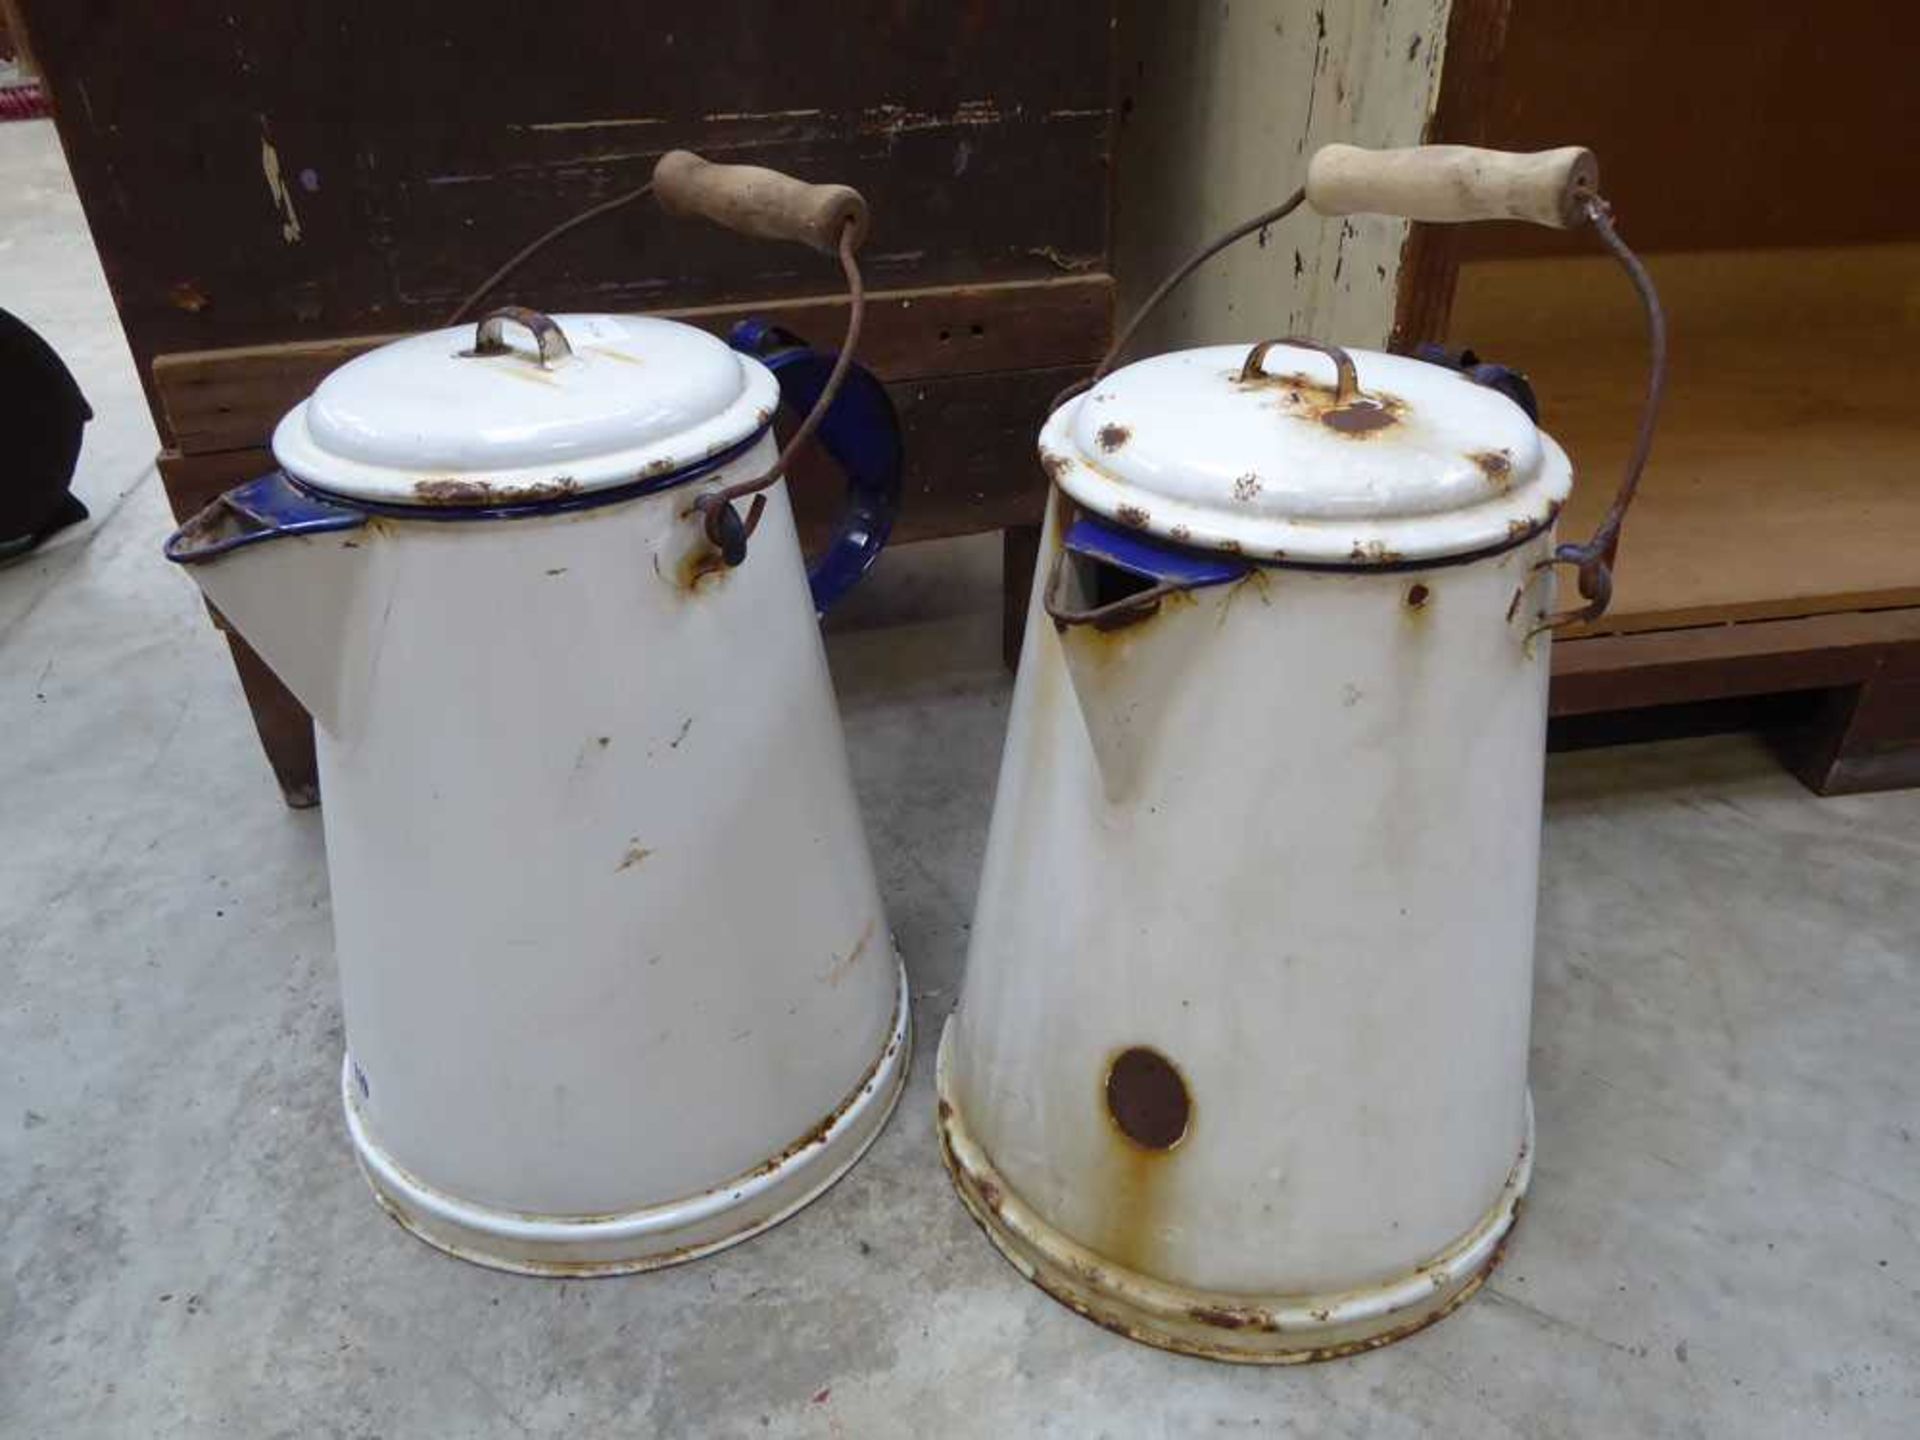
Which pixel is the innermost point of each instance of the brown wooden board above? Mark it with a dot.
(1785, 477)
(230, 399)
(1712, 662)
(259, 174)
(1718, 123)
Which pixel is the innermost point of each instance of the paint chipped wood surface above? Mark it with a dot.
(1221, 106)
(232, 398)
(261, 174)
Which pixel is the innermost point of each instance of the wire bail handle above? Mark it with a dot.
(749, 200)
(1449, 184)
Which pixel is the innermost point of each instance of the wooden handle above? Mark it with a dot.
(1449, 183)
(756, 201)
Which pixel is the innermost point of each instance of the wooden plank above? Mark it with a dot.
(1430, 260)
(1784, 472)
(1719, 123)
(231, 399)
(353, 168)
(1223, 105)
(1622, 672)
(971, 463)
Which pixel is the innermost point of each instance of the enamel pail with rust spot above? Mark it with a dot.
(1240, 1064)
(618, 989)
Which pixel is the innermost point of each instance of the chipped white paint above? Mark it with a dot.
(1228, 103)
(277, 188)
(624, 122)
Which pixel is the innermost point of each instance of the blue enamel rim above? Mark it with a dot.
(1163, 560)
(1152, 559)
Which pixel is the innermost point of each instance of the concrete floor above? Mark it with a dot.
(1721, 1239)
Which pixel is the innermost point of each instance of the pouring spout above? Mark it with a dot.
(1113, 597)
(298, 601)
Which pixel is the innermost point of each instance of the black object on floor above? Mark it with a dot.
(44, 414)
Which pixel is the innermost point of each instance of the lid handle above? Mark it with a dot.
(490, 338)
(1453, 183)
(1346, 379)
(756, 201)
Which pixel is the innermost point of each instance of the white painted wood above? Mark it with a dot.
(1223, 104)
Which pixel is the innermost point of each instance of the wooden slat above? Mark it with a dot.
(231, 399)
(1624, 672)
(971, 463)
(1786, 470)
(255, 174)
(1430, 258)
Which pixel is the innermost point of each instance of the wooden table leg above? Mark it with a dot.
(1019, 553)
(1867, 736)
(286, 730)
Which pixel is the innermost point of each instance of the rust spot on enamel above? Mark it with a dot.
(1373, 552)
(1361, 417)
(482, 494)
(1417, 596)
(1148, 1099)
(1133, 515)
(1246, 487)
(1496, 465)
(1112, 436)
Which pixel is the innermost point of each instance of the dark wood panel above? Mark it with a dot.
(1719, 123)
(230, 399)
(256, 174)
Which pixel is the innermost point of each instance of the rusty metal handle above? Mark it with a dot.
(1448, 184)
(489, 337)
(757, 201)
(1111, 616)
(1346, 378)
(1593, 559)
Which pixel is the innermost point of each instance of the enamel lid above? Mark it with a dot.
(1291, 451)
(525, 409)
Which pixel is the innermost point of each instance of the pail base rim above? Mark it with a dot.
(1245, 1329)
(654, 1236)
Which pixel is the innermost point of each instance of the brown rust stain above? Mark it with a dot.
(821, 1129)
(1054, 464)
(1513, 605)
(1496, 465)
(1298, 394)
(457, 492)
(1374, 552)
(1149, 1111)
(1180, 532)
(1418, 595)
(1246, 487)
(1147, 1098)
(1133, 515)
(1221, 1317)
(1113, 436)
(840, 967)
